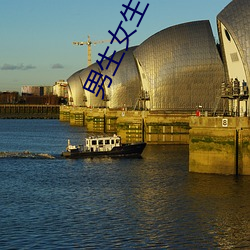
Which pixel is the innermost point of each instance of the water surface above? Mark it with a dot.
(148, 203)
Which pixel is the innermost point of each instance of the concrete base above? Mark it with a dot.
(64, 115)
(132, 126)
(219, 145)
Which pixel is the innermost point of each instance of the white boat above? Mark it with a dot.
(103, 146)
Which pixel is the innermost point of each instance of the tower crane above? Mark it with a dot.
(89, 43)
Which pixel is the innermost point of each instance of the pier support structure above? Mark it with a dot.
(219, 145)
(132, 126)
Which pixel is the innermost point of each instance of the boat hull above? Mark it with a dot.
(126, 150)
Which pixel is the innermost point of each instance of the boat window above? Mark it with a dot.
(94, 142)
(107, 142)
(117, 141)
(100, 142)
(112, 141)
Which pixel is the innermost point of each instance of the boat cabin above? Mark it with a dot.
(105, 143)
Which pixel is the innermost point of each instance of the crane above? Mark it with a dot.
(89, 43)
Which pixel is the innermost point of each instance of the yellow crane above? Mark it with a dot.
(89, 43)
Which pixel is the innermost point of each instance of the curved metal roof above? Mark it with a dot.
(126, 84)
(91, 99)
(180, 67)
(76, 92)
(236, 18)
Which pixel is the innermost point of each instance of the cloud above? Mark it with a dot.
(7, 66)
(57, 66)
(27, 67)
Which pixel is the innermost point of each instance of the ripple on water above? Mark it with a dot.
(145, 203)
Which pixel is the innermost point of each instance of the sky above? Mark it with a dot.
(36, 36)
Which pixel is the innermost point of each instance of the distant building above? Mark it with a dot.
(39, 95)
(37, 90)
(30, 90)
(40, 100)
(60, 89)
(47, 90)
(9, 97)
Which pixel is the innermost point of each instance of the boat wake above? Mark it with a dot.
(26, 154)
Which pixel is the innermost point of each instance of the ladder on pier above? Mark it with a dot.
(217, 101)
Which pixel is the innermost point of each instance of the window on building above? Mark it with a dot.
(227, 35)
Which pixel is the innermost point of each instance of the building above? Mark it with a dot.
(177, 69)
(90, 99)
(234, 33)
(9, 97)
(76, 95)
(38, 95)
(181, 68)
(125, 89)
(37, 90)
(60, 89)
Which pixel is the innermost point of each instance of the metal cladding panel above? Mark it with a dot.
(236, 18)
(75, 89)
(181, 67)
(126, 84)
(92, 99)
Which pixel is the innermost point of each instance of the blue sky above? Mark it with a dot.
(36, 35)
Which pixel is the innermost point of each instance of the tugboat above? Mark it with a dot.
(101, 146)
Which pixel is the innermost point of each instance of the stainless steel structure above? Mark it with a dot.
(234, 33)
(180, 67)
(75, 91)
(126, 84)
(123, 92)
(91, 100)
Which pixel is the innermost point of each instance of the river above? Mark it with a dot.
(48, 202)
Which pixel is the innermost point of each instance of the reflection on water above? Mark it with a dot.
(145, 203)
(224, 201)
